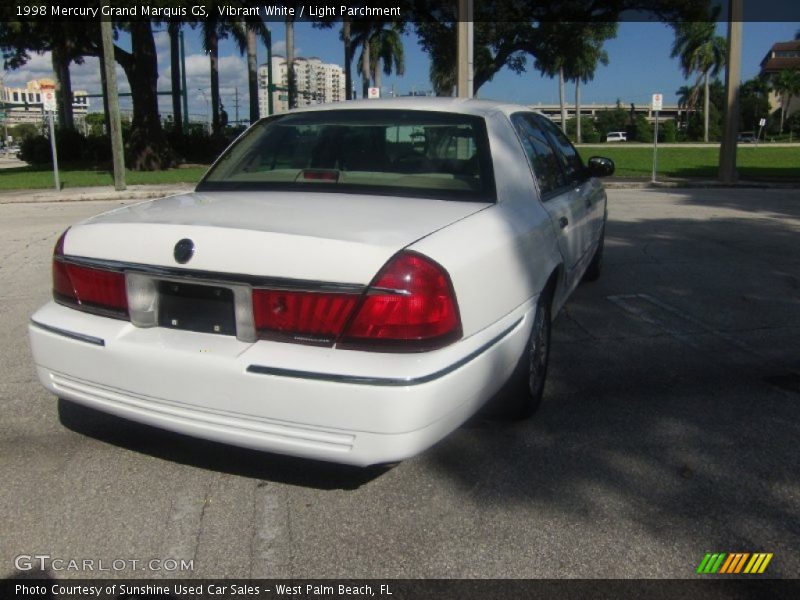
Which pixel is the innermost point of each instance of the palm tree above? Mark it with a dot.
(213, 30)
(583, 64)
(701, 51)
(687, 99)
(246, 34)
(572, 52)
(786, 84)
(381, 51)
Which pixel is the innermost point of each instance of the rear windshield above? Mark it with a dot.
(394, 152)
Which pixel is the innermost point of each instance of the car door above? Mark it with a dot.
(589, 191)
(558, 196)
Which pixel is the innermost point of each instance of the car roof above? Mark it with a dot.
(466, 106)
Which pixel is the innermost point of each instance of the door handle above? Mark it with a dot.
(563, 222)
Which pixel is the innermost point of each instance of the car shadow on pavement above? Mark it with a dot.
(662, 419)
(210, 455)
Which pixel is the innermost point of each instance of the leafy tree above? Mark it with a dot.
(687, 100)
(588, 129)
(753, 103)
(611, 120)
(701, 51)
(147, 147)
(668, 131)
(786, 84)
(507, 31)
(642, 131)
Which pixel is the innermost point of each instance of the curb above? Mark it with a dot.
(86, 194)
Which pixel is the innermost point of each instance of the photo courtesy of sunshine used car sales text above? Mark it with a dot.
(201, 589)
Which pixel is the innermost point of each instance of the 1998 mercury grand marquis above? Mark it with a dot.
(347, 283)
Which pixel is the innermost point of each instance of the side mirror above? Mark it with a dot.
(600, 167)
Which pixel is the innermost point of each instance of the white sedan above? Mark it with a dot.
(347, 283)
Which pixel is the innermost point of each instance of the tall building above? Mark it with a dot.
(317, 83)
(24, 105)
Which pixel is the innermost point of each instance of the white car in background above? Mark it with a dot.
(347, 283)
(617, 136)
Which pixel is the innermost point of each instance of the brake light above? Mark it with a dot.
(410, 306)
(87, 288)
(304, 316)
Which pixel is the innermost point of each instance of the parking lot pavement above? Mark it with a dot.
(669, 429)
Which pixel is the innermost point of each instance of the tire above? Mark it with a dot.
(522, 395)
(595, 267)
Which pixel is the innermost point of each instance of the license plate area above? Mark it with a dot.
(193, 307)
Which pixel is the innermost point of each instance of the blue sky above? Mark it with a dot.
(639, 66)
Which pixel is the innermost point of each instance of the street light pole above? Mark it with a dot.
(184, 91)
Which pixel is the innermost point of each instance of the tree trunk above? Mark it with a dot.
(173, 29)
(252, 74)
(577, 111)
(784, 102)
(561, 99)
(377, 73)
(365, 70)
(705, 107)
(214, 51)
(290, 74)
(64, 87)
(149, 150)
(348, 59)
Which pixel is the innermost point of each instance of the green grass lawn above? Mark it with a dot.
(762, 162)
(73, 176)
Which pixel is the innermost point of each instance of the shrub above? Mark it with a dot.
(36, 150)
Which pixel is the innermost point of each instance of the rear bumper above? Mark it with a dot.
(344, 406)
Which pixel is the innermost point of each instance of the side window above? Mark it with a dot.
(567, 155)
(543, 159)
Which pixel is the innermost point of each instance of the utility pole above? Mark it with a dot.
(727, 150)
(270, 83)
(236, 105)
(465, 51)
(184, 91)
(113, 104)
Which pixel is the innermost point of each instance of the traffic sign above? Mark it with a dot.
(762, 122)
(657, 102)
(374, 92)
(48, 98)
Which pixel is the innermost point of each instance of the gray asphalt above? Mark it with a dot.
(669, 429)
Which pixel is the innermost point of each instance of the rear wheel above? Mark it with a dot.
(522, 394)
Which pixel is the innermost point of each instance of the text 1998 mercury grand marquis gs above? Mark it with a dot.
(347, 283)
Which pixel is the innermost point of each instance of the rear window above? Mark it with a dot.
(394, 152)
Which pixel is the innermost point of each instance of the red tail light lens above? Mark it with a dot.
(410, 306)
(304, 316)
(87, 288)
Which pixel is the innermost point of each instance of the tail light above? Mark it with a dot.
(410, 306)
(303, 316)
(86, 288)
